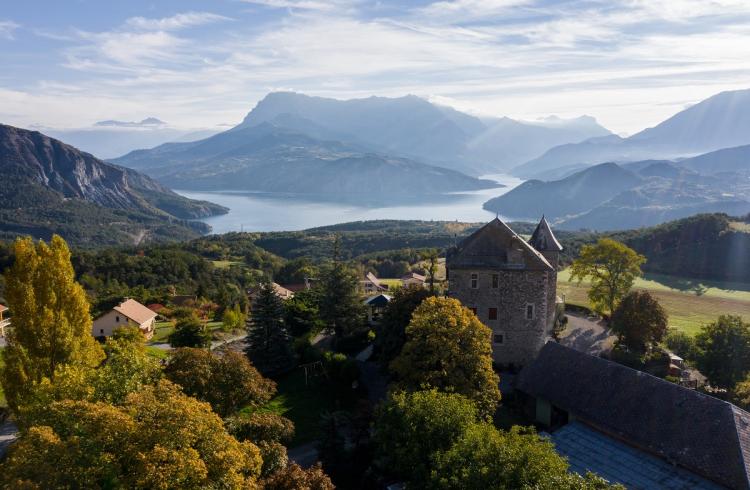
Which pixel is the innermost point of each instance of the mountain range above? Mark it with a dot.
(50, 187)
(403, 146)
(612, 196)
(721, 121)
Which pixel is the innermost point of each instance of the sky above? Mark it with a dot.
(205, 64)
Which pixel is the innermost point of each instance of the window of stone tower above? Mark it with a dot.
(498, 338)
(474, 281)
(492, 314)
(495, 281)
(529, 311)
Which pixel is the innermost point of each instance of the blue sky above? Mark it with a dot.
(195, 64)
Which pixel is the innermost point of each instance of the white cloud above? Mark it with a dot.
(322, 5)
(7, 28)
(179, 21)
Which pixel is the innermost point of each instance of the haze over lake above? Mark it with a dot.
(258, 211)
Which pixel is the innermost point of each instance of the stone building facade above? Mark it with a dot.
(510, 284)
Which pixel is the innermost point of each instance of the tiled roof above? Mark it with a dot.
(135, 311)
(587, 450)
(701, 433)
(3, 308)
(491, 246)
(543, 239)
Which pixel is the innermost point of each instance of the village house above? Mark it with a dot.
(511, 285)
(128, 313)
(633, 428)
(371, 285)
(280, 291)
(413, 278)
(4, 322)
(376, 306)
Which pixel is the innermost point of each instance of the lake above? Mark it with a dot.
(260, 211)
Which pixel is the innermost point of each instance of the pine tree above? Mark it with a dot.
(268, 342)
(341, 306)
(51, 320)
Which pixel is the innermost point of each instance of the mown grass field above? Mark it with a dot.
(689, 303)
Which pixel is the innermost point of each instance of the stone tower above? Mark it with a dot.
(510, 285)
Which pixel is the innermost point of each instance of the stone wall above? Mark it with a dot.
(522, 338)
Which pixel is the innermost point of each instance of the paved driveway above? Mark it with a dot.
(587, 335)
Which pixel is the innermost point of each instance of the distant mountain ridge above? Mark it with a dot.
(268, 158)
(721, 121)
(48, 187)
(612, 196)
(413, 127)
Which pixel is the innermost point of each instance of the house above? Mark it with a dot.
(371, 285)
(280, 291)
(413, 278)
(510, 284)
(376, 305)
(4, 323)
(128, 313)
(183, 299)
(633, 428)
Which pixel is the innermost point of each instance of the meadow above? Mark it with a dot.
(690, 303)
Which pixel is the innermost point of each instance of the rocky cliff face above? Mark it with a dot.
(31, 157)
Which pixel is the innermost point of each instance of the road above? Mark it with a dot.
(587, 335)
(214, 343)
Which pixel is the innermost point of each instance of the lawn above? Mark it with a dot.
(162, 330)
(225, 264)
(689, 303)
(301, 404)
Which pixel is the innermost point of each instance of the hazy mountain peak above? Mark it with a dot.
(147, 122)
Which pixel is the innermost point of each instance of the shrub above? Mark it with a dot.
(261, 427)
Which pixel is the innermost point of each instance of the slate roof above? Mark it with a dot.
(543, 239)
(698, 432)
(587, 450)
(489, 247)
(379, 300)
(135, 311)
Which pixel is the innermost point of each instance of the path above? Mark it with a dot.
(8, 434)
(587, 335)
(215, 344)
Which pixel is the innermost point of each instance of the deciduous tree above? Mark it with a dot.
(448, 348)
(227, 381)
(190, 332)
(723, 351)
(612, 268)
(294, 477)
(51, 320)
(639, 321)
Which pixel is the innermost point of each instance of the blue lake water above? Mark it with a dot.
(258, 211)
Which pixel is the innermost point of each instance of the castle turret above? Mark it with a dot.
(545, 242)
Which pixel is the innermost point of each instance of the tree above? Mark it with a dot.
(227, 381)
(639, 321)
(260, 427)
(232, 318)
(391, 331)
(681, 344)
(301, 313)
(448, 348)
(612, 267)
(723, 351)
(411, 427)
(432, 267)
(294, 477)
(485, 457)
(741, 394)
(190, 332)
(51, 320)
(341, 306)
(158, 438)
(268, 342)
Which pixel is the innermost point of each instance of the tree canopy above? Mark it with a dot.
(190, 332)
(268, 341)
(448, 348)
(51, 320)
(639, 321)
(612, 268)
(723, 351)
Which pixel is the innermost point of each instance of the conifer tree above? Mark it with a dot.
(268, 342)
(51, 321)
(341, 306)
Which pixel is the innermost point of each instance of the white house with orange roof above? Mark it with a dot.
(3, 322)
(128, 313)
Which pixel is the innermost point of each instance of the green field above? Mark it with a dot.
(689, 303)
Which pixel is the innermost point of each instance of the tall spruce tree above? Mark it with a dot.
(341, 306)
(51, 320)
(268, 341)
